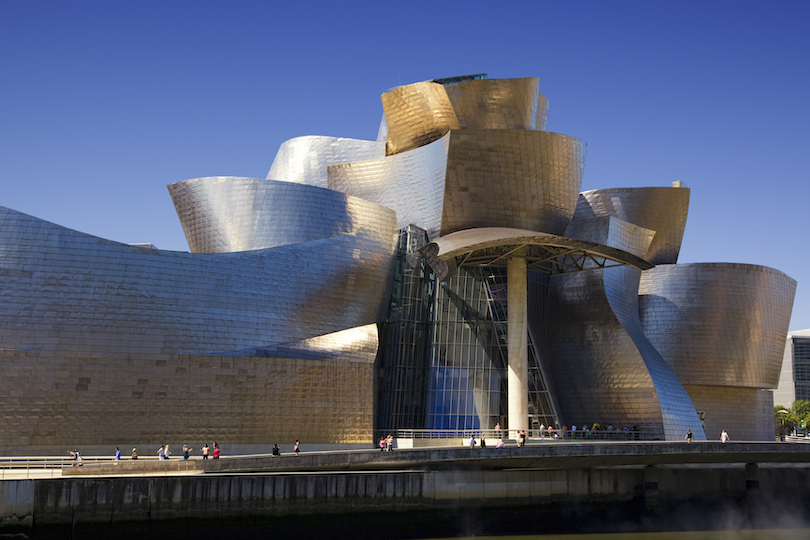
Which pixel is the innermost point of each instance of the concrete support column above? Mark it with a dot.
(651, 486)
(517, 344)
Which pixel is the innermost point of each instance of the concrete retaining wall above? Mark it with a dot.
(34, 506)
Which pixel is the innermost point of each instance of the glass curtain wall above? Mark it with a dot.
(405, 338)
(468, 387)
(801, 367)
(442, 362)
(542, 407)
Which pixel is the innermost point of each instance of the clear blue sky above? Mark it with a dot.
(102, 104)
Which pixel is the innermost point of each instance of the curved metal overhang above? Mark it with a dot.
(547, 253)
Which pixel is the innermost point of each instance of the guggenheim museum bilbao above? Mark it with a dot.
(449, 275)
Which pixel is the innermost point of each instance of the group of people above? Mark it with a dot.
(724, 438)
(296, 448)
(164, 452)
(387, 443)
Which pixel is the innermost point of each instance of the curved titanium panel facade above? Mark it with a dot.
(512, 178)
(604, 367)
(417, 114)
(304, 159)
(597, 372)
(497, 103)
(542, 113)
(71, 293)
(351, 345)
(411, 183)
(745, 413)
(226, 214)
(719, 324)
(662, 210)
(605, 230)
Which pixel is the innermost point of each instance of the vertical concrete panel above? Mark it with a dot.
(429, 485)
(579, 482)
(131, 499)
(518, 485)
(559, 483)
(17, 502)
(541, 484)
(470, 484)
(445, 486)
(496, 485)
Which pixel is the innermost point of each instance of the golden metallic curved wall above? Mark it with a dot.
(542, 113)
(498, 103)
(223, 214)
(662, 210)
(745, 413)
(512, 178)
(718, 324)
(417, 114)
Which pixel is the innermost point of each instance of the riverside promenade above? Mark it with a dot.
(419, 493)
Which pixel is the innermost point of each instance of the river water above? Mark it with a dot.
(760, 534)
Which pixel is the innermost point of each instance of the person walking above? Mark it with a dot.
(472, 441)
(117, 454)
(134, 453)
(688, 435)
(724, 438)
(296, 447)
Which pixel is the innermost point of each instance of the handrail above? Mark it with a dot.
(13, 465)
(531, 434)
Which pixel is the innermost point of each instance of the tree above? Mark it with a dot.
(801, 409)
(787, 420)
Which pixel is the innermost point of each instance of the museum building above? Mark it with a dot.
(448, 276)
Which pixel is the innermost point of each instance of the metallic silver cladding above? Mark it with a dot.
(598, 374)
(624, 363)
(745, 413)
(71, 293)
(602, 230)
(357, 345)
(411, 183)
(304, 159)
(663, 210)
(719, 324)
(498, 103)
(512, 178)
(226, 214)
(417, 114)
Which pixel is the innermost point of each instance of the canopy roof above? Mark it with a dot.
(547, 253)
